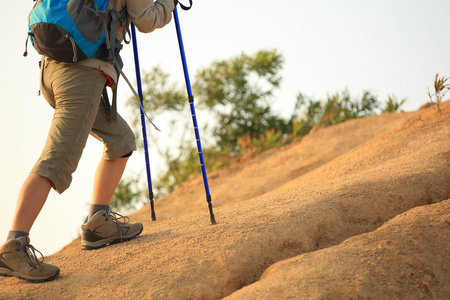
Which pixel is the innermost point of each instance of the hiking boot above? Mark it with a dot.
(18, 258)
(106, 228)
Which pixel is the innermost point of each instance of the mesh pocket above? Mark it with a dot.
(54, 42)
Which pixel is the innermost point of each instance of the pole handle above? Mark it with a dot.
(183, 7)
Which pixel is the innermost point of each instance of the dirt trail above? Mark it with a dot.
(332, 216)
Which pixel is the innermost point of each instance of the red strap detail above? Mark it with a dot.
(109, 80)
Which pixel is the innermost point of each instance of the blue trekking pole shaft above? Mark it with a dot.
(144, 131)
(194, 119)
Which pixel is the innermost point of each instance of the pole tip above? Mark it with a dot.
(211, 214)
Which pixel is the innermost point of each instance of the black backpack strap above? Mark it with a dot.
(122, 17)
(111, 108)
(117, 19)
(111, 37)
(110, 52)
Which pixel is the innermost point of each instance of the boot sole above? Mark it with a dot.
(10, 273)
(86, 245)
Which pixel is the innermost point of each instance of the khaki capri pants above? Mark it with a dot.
(74, 91)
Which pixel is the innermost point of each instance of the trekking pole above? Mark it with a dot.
(191, 103)
(144, 131)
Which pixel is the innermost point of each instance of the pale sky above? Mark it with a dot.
(384, 46)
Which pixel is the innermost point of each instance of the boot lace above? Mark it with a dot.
(30, 251)
(116, 219)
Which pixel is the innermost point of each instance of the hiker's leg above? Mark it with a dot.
(119, 144)
(107, 177)
(114, 228)
(32, 197)
(15, 257)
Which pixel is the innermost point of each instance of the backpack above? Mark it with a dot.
(73, 30)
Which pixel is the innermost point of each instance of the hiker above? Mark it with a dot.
(75, 90)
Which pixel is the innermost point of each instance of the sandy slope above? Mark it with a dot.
(331, 217)
(406, 258)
